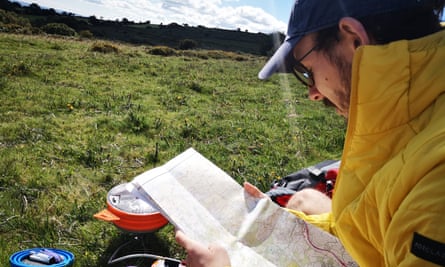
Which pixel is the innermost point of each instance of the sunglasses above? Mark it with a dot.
(303, 74)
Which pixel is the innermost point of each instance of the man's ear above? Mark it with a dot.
(353, 32)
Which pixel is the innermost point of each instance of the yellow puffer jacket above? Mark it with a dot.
(389, 200)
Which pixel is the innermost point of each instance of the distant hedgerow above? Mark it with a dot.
(187, 44)
(59, 29)
(86, 34)
(12, 23)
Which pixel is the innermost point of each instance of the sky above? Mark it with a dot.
(252, 15)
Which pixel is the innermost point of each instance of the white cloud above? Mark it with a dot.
(214, 14)
(209, 13)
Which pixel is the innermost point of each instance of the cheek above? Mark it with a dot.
(323, 71)
(325, 84)
(327, 76)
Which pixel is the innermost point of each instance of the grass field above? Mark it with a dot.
(75, 122)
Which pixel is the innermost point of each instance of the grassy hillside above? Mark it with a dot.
(79, 117)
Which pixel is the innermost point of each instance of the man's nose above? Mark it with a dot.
(314, 94)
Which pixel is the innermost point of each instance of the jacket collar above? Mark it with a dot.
(392, 84)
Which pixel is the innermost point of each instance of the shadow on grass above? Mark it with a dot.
(134, 249)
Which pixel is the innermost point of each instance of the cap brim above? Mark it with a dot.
(281, 61)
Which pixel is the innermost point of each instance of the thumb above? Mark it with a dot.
(253, 190)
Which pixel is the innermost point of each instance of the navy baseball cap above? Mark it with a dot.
(309, 16)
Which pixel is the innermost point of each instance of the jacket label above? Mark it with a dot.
(428, 249)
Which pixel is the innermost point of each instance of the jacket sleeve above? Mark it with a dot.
(323, 221)
(416, 233)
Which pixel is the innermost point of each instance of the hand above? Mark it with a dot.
(309, 201)
(199, 255)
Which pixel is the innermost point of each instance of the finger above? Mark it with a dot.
(253, 190)
(185, 242)
(181, 238)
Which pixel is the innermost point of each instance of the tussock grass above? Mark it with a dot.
(75, 123)
(104, 47)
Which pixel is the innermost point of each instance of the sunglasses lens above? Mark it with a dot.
(303, 75)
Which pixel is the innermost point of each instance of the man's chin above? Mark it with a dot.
(342, 113)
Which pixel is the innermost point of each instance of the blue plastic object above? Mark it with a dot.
(21, 258)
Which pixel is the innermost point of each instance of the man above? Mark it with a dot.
(380, 64)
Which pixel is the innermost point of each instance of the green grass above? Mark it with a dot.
(75, 122)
